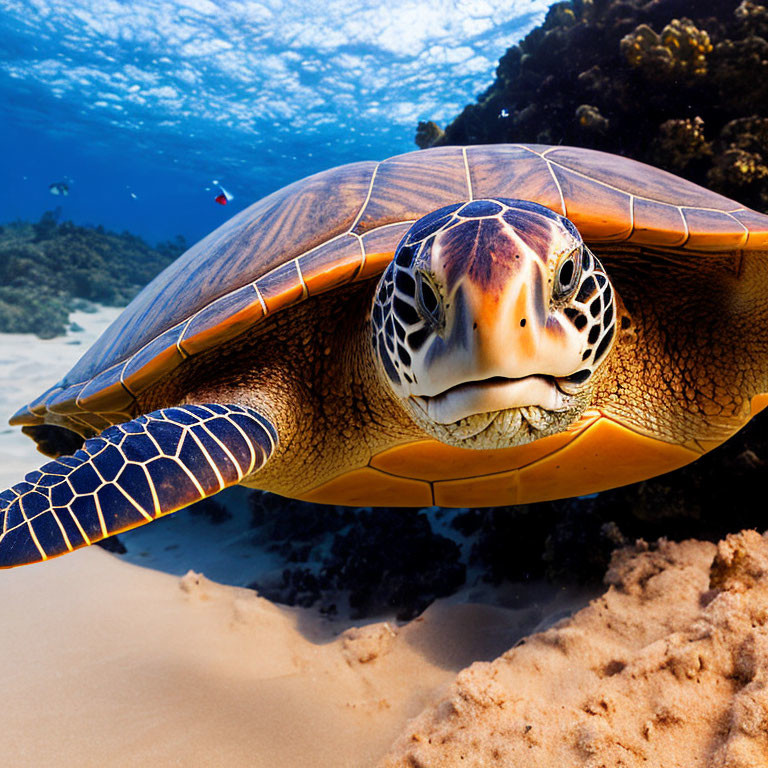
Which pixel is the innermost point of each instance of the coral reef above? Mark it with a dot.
(681, 85)
(382, 561)
(680, 51)
(48, 268)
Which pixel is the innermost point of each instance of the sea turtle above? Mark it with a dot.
(430, 329)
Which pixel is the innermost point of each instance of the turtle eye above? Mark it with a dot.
(429, 304)
(567, 277)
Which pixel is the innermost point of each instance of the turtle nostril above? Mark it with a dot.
(522, 323)
(579, 377)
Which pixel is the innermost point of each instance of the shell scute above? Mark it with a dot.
(512, 171)
(64, 401)
(153, 360)
(344, 224)
(408, 186)
(379, 246)
(600, 212)
(757, 226)
(358, 487)
(713, 230)
(434, 461)
(604, 455)
(105, 392)
(657, 224)
(277, 228)
(32, 413)
(222, 320)
(638, 179)
(23, 417)
(282, 287)
(328, 266)
(37, 406)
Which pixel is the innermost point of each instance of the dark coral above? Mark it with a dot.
(679, 142)
(382, 561)
(680, 51)
(48, 268)
(674, 83)
(742, 165)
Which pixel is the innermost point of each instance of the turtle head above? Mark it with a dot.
(492, 322)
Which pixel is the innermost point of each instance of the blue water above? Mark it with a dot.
(141, 105)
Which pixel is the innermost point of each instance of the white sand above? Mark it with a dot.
(110, 664)
(104, 663)
(29, 366)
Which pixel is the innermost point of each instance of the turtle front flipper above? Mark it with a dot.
(129, 475)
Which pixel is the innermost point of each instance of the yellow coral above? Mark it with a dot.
(680, 141)
(681, 48)
(590, 119)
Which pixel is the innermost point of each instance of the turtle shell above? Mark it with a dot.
(342, 226)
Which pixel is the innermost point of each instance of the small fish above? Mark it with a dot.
(59, 188)
(223, 197)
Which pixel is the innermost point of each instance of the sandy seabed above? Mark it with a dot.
(105, 663)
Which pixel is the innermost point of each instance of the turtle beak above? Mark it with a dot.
(499, 330)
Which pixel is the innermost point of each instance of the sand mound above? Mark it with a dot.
(108, 664)
(668, 668)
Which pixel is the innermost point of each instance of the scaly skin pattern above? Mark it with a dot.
(692, 350)
(131, 474)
